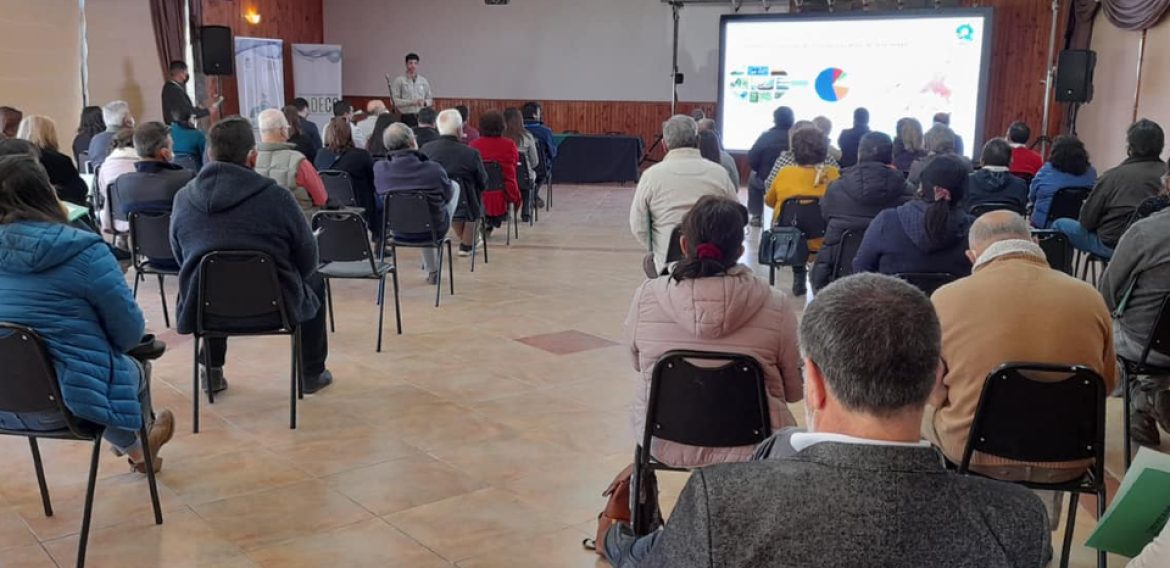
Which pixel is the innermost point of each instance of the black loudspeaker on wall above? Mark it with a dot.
(1074, 76)
(216, 50)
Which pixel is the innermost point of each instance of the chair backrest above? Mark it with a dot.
(846, 251)
(495, 176)
(1056, 247)
(239, 285)
(989, 206)
(185, 161)
(523, 180)
(150, 236)
(28, 382)
(928, 282)
(1159, 340)
(339, 187)
(720, 403)
(804, 213)
(83, 164)
(1023, 418)
(542, 167)
(342, 236)
(674, 251)
(1067, 202)
(408, 212)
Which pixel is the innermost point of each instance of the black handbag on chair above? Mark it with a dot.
(783, 246)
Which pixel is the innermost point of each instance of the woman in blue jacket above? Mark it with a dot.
(65, 284)
(1068, 166)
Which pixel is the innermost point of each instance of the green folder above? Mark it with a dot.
(1140, 508)
(75, 212)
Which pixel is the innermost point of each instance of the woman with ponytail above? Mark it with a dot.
(928, 234)
(710, 302)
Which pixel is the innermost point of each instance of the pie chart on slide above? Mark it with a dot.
(829, 85)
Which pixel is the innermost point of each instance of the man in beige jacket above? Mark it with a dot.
(669, 189)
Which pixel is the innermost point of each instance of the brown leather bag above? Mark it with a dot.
(617, 507)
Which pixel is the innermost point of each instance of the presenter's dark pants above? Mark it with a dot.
(756, 191)
(314, 338)
(410, 120)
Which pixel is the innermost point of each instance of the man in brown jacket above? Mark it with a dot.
(1013, 307)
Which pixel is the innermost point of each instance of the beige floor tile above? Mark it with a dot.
(570, 490)
(441, 424)
(503, 459)
(202, 480)
(368, 544)
(14, 533)
(344, 449)
(561, 549)
(294, 511)
(404, 483)
(31, 556)
(118, 500)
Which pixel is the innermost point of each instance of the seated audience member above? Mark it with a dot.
(342, 109)
(186, 138)
(408, 170)
(470, 134)
(712, 303)
(1024, 160)
(340, 153)
(151, 188)
(860, 488)
(297, 137)
(826, 127)
(533, 121)
(909, 145)
(279, 160)
(993, 184)
(374, 144)
(425, 132)
(928, 234)
(465, 167)
(374, 109)
(42, 133)
(91, 125)
(228, 206)
(1068, 166)
(308, 127)
(851, 202)
(1138, 276)
(493, 147)
(706, 147)
(1013, 307)
(944, 119)
(787, 158)
(65, 284)
(1105, 214)
(9, 122)
(526, 146)
(670, 188)
(762, 158)
(120, 161)
(808, 178)
(940, 141)
(116, 115)
(851, 137)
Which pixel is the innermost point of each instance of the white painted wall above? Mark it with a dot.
(539, 49)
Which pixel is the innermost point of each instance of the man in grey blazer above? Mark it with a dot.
(860, 488)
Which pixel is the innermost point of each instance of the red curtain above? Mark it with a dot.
(170, 31)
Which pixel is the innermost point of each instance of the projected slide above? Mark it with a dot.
(894, 65)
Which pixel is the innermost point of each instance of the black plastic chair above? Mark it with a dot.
(804, 213)
(1023, 419)
(496, 184)
(150, 241)
(1092, 267)
(83, 164)
(113, 207)
(544, 171)
(345, 254)
(30, 386)
(237, 289)
(1057, 248)
(928, 282)
(846, 252)
(339, 187)
(979, 209)
(409, 212)
(528, 189)
(1066, 203)
(1158, 341)
(186, 161)
(722, 403)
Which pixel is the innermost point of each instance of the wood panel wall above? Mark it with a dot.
(293, 21)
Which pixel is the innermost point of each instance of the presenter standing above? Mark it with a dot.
(175, 102)
(411, 92)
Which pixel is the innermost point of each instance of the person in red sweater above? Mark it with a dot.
(493, 147)
(1024, 160)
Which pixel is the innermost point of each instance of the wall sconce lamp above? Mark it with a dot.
(252, 17)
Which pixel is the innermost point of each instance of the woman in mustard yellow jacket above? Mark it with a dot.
(810, 177)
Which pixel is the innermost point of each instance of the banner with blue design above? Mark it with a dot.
(317, 77)
(260, 75)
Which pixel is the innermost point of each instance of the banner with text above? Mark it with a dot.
(317, 76)
(260, 74)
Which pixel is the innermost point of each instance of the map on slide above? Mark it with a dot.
(829, 85)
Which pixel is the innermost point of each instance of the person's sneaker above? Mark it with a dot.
(160, 433)
(218, 381)
(433, 278)
(798, 287)
(319, 382)
(757, 221)
(1144, 429)
(464, 250)
(1162, 409)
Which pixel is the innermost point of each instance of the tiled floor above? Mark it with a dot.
(483, 437)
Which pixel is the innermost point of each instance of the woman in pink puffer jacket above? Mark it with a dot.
(712, 303)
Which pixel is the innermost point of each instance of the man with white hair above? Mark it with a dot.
(465, 167)
(408, 170)
(116, 115)
(374, 109)
(276, 158)
(670, 188)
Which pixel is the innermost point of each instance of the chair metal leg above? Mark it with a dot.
(381, 310)
(329, 305)
(439, 280)
(195, 388)
(451, 267)
(548, 202)
(516, 221)
(1125, 418)
(162, 294)
(40, 467)
(397, 307)
(1073, 498)
(483, 233)
(1102, 558)
(150, 478)
(772, 275)
(87, 515)
(295, 385)
(137, 279)
(207, 365)
(635, 488)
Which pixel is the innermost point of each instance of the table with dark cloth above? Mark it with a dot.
(597, 159)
